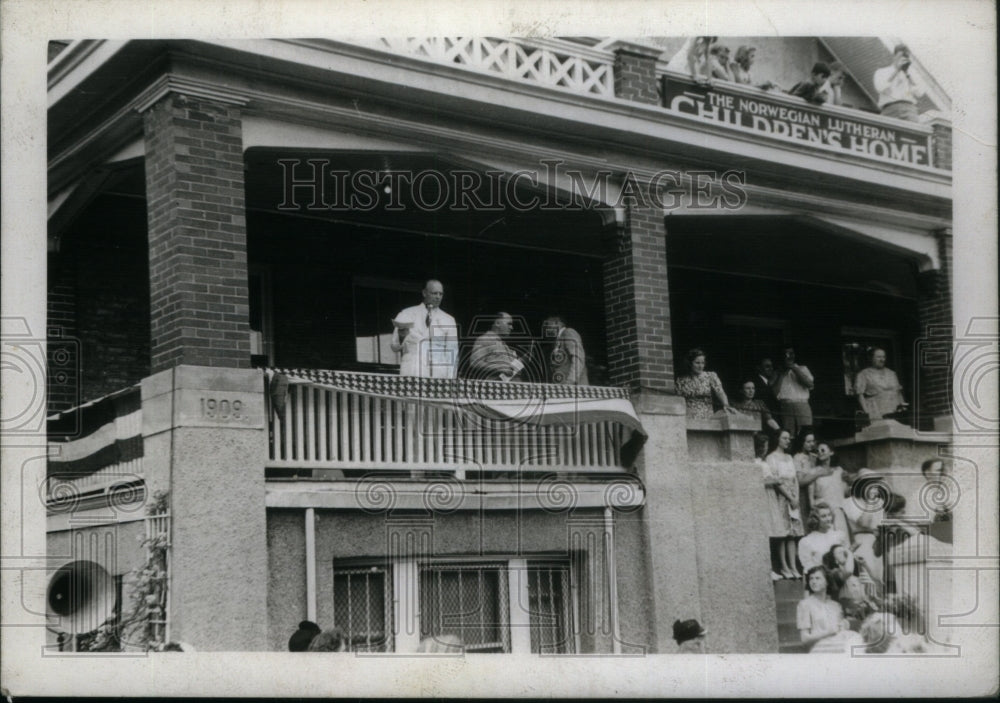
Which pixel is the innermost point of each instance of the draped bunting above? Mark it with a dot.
(97, 434)
(527, 403)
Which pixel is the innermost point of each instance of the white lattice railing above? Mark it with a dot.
(334, 429)
(552, 63)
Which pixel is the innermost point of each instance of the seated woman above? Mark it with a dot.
(756, 407)
(851, 584)
(821, 538)
(820, 619)
(786, 520)
(699, 386)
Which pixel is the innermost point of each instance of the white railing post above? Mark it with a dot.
(336, 429)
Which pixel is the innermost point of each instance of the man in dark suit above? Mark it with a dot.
(762, 384)
(567, 360)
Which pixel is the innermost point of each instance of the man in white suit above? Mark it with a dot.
(426, 337)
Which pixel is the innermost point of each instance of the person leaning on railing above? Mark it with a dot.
(812, 90)
(697, 58)
(718, 63)
(699, 387)
(878, 388)
(740, 68)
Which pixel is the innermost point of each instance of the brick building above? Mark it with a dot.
(229, 217)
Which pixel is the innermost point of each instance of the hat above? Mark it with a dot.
(687, 630)
(301, 638)
(403, 324)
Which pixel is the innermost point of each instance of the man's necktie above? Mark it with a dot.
(427, 321)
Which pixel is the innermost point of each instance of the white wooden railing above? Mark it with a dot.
(550, 62)
(334, 429)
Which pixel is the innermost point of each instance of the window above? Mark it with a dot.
(514, 605)
(549, 605)
(376, 303)
(362, 601)
(468, 600)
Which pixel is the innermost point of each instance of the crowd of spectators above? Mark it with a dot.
(779, 398)
(898, 89)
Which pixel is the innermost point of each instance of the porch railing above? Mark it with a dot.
(550, 62)
(328, 428)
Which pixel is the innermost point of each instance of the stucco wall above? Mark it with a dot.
(286, 575)
(737, 595)
(127, 553)
(355, 534)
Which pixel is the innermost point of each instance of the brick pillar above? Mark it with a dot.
(635, 73)
(937, 337)
(637, 305)
(941, 145)
(197, 234)
(63, 346)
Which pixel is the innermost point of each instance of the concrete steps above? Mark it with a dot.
(787, 594)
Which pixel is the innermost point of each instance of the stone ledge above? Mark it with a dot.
(653, 403)
(724, 422)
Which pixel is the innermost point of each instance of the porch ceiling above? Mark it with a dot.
(426, 193)
(790, 248)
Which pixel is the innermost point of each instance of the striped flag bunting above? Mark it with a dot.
(97, 434)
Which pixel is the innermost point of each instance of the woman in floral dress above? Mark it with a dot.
(782, 480)
(698, 387)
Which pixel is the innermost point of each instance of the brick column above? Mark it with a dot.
(197, 234)
(937, 337)
(63, 348)
(941, 144)
(635, 72)
(637, 305)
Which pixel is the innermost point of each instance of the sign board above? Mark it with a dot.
(803, 123)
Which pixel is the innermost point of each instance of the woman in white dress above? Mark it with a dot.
(820, 619)
(782, 468)
(830, 486)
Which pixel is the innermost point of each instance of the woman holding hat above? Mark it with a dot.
(690, 637)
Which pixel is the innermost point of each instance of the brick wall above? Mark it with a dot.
(63, 354)
(937, 335)
(637, 305)
(197, 234)
(98, 303)
(635, 77)
(941, 146)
